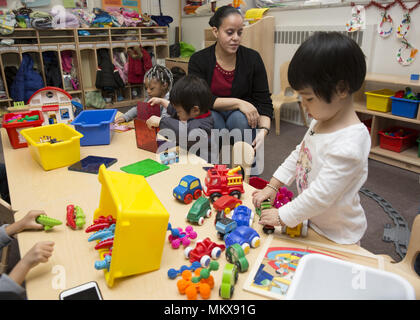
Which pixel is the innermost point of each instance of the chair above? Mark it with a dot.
(243, 155)
(6, 216)
(282, 97)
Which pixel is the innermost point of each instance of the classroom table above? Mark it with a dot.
(33, 188)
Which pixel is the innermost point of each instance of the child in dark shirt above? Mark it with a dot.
(188, 119)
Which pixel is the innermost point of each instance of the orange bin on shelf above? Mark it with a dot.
(13, 128)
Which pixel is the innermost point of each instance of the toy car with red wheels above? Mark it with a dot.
(204, 251)
(189, 188)
(226, 203)
(243, 216)
(245, 236)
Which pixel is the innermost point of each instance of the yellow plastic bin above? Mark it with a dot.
(379, 100)
(141, 223)
(64, 152)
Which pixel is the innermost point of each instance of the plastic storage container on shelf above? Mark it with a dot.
(13, 128)
(405, 107)
(64, 152)
(379, 100)
(319, 277)
(141, 223)
(95, 126)
(396, 143)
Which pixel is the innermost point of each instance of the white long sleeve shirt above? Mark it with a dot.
(329, 169)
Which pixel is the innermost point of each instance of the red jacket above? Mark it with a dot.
(137, 68)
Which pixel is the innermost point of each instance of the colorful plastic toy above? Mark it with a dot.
(101, 223)
(199, 210)
(189, 188)
(169, 157)
(191, 289)
(226, 203)
(47, 222)
(179, 236)
(103, 264)
(235, 254)
(205, 273)
(75, 217)
(245, 236)
(203, 251)
(173, 273)
(223, 181)
(243, 216)
(225, 225)
(103, 234)
(229, 279)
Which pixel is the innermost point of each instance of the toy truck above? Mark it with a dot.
(189, 188)
(223, 181)
(203, 251)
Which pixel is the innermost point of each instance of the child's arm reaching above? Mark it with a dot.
(128, 116)
(159, 101)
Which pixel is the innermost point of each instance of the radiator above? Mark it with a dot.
(288, 38)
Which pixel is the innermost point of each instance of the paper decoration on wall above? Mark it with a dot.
(406, 47)
(386, 26)
(358, 19)
(404, 26)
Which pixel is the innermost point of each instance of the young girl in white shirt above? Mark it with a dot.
(331, 163)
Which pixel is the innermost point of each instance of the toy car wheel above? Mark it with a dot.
(197, 194)
(215, 196)
(188, 198)
(220, 235)
(200, 221)
(236, 194)
(187, 252)
(245, 246)
(255, 242)
(208, 213)
(205, 261)
(216, 252)
(227, 210)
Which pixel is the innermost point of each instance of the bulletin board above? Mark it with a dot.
(129, 4)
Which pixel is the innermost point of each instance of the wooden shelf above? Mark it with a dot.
(407, 159)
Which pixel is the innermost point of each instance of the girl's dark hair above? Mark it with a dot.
(325, 60)
(221, 13)
(161, 74)
(190, 91)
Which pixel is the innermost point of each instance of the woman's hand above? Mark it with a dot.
(249, 110)
(259, 138)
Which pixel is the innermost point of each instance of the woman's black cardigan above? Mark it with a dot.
(250, 82)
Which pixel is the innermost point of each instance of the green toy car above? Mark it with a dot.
(229, 279)
(236, 255)
(199, 210)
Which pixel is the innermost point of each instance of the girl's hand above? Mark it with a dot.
(259, 138)
(270, 217)
(258, 196)
(159, 101)
(250, 112)
(153, 122)
(119, 120)
(40, 252)
(28, 222)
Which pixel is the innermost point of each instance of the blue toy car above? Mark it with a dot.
(245, 236)
(189, 188)
(243, 216)
(169, 157)
(224, 226)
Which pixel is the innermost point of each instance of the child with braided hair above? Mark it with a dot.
(158, 82)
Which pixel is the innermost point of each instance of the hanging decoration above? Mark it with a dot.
(386, 26)
(405, 47)
(404, 26)
(358, 19)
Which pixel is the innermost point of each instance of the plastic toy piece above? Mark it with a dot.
(178, 236)
(243, 216)
(75, 217)
(101, 223)
(191, 289)
(199, 210)
(107, 243)
(103, 234)
(235, 254)
(80, 217)
(47, 222)
(224, 226)
(169, 157)
(203, 251)
(70, 217)
(103, 264)
(229, 279)
(245, 236)
(205, 273)
(173, 273)
(223, 181)
(226, 203)
(189, 188)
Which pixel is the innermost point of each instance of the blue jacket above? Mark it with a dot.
(27, 80)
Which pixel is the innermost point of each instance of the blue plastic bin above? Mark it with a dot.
(404, 107)
(95, 125)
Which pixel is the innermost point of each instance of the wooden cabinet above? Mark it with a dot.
(83, 44)
(407, 159)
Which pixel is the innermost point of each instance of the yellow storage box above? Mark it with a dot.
(141, 223)
(379, 100)
(64, 152)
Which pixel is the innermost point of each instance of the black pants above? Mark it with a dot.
(4, 187)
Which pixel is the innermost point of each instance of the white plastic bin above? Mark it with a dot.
(320, 277)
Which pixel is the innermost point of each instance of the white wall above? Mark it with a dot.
(385, 50)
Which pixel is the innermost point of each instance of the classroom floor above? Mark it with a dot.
(399, 187)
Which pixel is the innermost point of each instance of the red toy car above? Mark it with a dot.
(226, 203)
(203, 250)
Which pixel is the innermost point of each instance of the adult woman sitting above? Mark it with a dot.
(236, 76)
